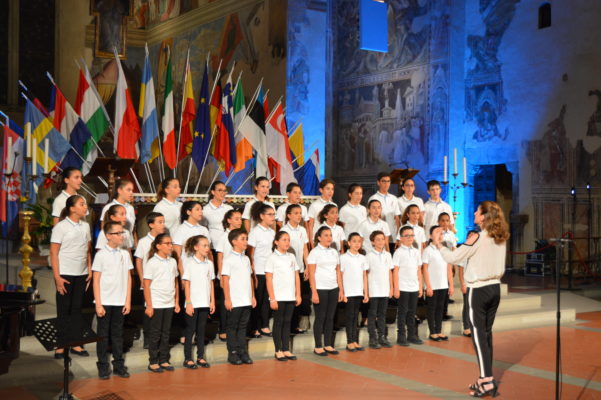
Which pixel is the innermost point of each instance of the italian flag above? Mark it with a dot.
(168, 120)
(127, 128)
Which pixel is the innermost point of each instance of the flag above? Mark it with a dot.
(168, 120)
(278, 148)
(127, 129)
(215, 108)
(71, 127)
(202, 124)
(308, 175)
(92, 112)
(297, 146)
(225, 146)
(188, 115)
(253, 129)
(244, 151)
(10, 191)
(147, 110)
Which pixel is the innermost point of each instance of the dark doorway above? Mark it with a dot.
(494, 182)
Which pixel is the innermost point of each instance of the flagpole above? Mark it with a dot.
(205, 160)
(244, 183)
(189, 171)
(217, 76)
(214, 177)
(301, 154)
(277, 103)
(181, 113)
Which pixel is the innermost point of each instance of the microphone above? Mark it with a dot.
(561, 240)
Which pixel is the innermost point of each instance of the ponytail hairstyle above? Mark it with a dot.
(187, 206)
(353, 235)
(324, 211)
(66, 174)
(277, 237)
(289, 210)
(229, 214)
(432, 231)
(494, 221)
(112, 211)
(214, 187)
(120, 184)
(405, 216)
(158, 240)
(257, 182)
(161, 192)
(321, 230)
(257, 209)
(71, 201)
(191, 243)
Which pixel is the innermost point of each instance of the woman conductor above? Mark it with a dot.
(485, 255)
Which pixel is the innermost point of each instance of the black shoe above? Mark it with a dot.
(298, 331)
(203, 364)
(168, 367)
(158, 370)
(121, 372)
(373, 343)
(359, 348)
(322, 354)
(447, 317)
(188, 365)
(402, 341)
(283, 358)
(451, 301)
(463, 333)
(104, 372)
(352, 350)
(434, 339)
(246, 359)
(415, 340)
(332, 351)
(82, 353)
(268, 334)
(145, 346)
(291, 358)
(444, 338)
(384, 342)
(234, 359)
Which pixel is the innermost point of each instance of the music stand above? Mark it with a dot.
(64, 333)
(397, 176)
(114, 167)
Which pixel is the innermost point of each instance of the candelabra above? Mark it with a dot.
(455, 187)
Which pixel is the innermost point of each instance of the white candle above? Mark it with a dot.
(46, 145)
(445, 161)
(34, 158)
(28, 137)
(9, 157)
(464, 170)
(455, 161)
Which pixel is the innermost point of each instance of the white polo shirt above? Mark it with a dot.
(284, 268)
(223, 245)
(143, 248)
(114, 266)
(74, 238)
(213, 216)
(352, 267)
(60, 202)
(248, 206)
(130, 214)
(280, 214)
(171, 210)
(261, 238)
(449, 239)
(404, 202)
(390, 208)
(408, 260)
(325, 260)
(128, 241)
(418, 232)
(433, 210)
(298, 241)
(337, 234)
(378, 277)
(316, 207)
(437, 268)
(237, 267)
(352, 216)
(368, 226)
(186, 230)
(200, 274)
(162, 272)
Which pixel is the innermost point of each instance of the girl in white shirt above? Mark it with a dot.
(438, 278)
(353, 213)
(71, 183)
(168, 192)
(190, 217)
(372, 223)
(294, 193)
(116, 213)
(162, 299)
(326, 188)
(328, 217)
(124, 196)
(261, 192)
(260, 242)
(326, 290)
(71, 261)
(283, 286)
(411, 218)
(200, 297)
(215, 210)
(409, 198)
(353, 266)
(379, 280)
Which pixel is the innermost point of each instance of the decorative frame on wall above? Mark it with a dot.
(108, 14)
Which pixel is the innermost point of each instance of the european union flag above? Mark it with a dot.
(202, 125)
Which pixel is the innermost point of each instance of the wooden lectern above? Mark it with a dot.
(397, 176)
(115, 168)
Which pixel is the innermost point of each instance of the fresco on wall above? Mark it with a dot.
(149, 13)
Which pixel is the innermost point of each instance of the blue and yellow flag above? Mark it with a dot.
(149, 142)
(202, 124)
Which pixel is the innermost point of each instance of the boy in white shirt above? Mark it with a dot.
(436, 206)
(379, 280)
(238, 289)
(294, 193)
(390, 204)
(407, 282)
(112, 295)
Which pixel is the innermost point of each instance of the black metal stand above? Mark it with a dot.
(559, 243)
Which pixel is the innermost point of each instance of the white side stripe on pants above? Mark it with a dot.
(475, 335)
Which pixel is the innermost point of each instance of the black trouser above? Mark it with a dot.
(260, 314)
(237, 321)
(436, 310)
(324, 317)
(111, 324)
(70, 303)
(376, 317)
(220, 300)
(196, 324)
(305, 306)
(160, 326)
(483, 303)
(282, 318)
(406, 314)
(465, 314)
(352, 316)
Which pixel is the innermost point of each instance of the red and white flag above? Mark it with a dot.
(278, 148)
(127, 127)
